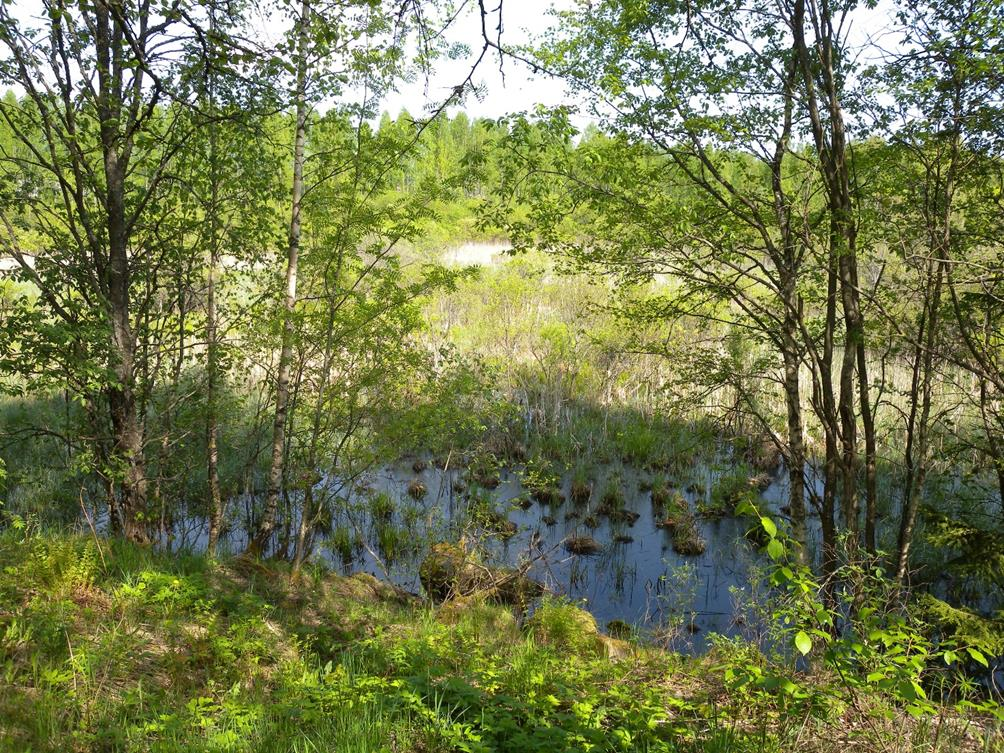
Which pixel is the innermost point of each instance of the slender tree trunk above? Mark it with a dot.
(212, 424)
(830, 420)
(126, 424)
(857, 336)
(128, 436)
(306, 523)
(999, 465)
(212, 346)
(939, 222)
(126, 421)
(848, 419)
(796, 445)
(918, 418)
(831, 468)
(308, 515)
(787, 265)
(823, 91)
(212, 377)
(871, 452)
(266, 525)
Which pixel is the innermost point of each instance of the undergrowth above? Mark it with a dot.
(105, 646)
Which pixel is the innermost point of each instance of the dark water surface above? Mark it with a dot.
(641, 581)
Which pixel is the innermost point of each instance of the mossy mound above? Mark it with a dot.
(620, 629)
(484, 472)
(662, 496)
(485, 619)
(729, 491)
(487, 479)
(763, 454)
(568, 628)
(547, 495)
(627, 517)
(581, 492)
(498, 523)
(522, 502)
(564, 626)
(449, 571)
(675, 512)
(583, 545)
(612, 497)
(687, 540)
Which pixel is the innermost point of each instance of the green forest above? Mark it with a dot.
(666, 417)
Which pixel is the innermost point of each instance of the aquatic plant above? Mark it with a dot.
(381, 506)
(393, 542)
(612, 496)
(626, 517)
(661, 493)
(497, 523)
(582, 485)
(340, 542)
(485, 471)
(730, 490)
(523, 502)
(542, 481)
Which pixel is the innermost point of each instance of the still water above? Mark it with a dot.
(636, 577)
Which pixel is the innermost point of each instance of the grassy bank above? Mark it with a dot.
(109, 647)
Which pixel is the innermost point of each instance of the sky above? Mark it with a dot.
(519, 90)
(513, 89)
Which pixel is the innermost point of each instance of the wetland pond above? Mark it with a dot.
(634, 571)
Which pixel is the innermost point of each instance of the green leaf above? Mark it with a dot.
(907, 691)
(803, 642)
(769, 526)
(978, 656)
(775, 549)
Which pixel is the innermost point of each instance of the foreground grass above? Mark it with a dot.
(108, 647)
